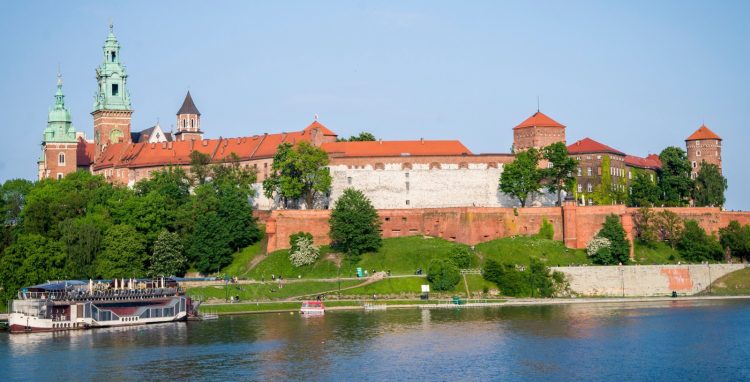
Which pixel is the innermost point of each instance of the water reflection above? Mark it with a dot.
(695, 340)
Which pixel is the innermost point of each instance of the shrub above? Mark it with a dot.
(547, 230)
(668, 226)
(736, 237)
(443, 274)
(305, 253)
(355, 227)
(596, 244)
(295, 236)
(461, 256)
(535, 280)
(620, 246)
(645, 226)
(695, 245)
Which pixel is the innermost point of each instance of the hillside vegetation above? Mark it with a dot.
(732, 284)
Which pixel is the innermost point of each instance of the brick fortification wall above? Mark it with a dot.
(470, 225)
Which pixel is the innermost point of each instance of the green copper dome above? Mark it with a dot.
(59, 123)
(111, 76)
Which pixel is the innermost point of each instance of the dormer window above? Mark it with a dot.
(115, 89)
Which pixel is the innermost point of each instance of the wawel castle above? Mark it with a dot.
(393, 174)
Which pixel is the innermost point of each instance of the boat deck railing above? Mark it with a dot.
(107, 294)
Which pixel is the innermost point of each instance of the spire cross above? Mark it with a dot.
(111, 25)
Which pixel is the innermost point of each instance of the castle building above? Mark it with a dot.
(393, 174)
(703, 146)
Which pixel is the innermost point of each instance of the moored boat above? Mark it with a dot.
(73, 304)
(312, 308)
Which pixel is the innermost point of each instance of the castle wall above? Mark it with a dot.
(473, 225)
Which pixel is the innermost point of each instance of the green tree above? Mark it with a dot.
(304, 251)
(668, 226)
(209, 245)
(674, 177)
(168, 258)
(12, 200)
(32, 259)
(294, 238)
(709, 186)
(522, 176)
(644, 191)
(645, 226)
(199, 166)
(172, 182)
(736, 238)
(534, 280)
(560, 176)
(233, 207)
(355, 226)
(230, 171)
(695, 245)
(298, 173)
(123, 253)
(443, 275)
(82, 238)
(363, 136)
(619, 244)
(461, 256)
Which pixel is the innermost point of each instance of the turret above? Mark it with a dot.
(59, 141)
(188, 121)
(703, 146)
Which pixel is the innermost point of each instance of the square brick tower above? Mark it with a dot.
(112, 110)
(59, 144)
(703, 146)
(537, 131)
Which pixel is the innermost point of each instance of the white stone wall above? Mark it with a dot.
(644, 280)
(447, 186)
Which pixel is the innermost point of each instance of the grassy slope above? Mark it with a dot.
(268, 290)
(659, 254)
(733, 284)
(518, 250)
(242, 259)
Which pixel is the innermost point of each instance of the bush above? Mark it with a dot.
(736, 237)
(596, 244)
(305, 252)
(295, 236)
(535, 280)
(620, 246)
(547, 230)
(355, 227)
(695, 245)
(443, 274)
(461, 256)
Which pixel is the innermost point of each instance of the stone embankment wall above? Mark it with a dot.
(644, 280)
(575, 225)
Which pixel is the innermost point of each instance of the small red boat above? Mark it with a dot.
(312, 308)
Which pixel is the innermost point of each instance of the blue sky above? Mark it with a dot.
(638, 76)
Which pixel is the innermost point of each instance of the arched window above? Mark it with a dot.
(61, 159)
(59, 175)
(113, 56)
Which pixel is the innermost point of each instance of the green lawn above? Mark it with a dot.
(390, 286)
(242, 260)
(518, 250)
(733, 284)
(660, 253)
(268, 291)
(277, 263)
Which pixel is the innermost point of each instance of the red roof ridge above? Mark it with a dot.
(703, 132)
(539, 119)
(588, 145)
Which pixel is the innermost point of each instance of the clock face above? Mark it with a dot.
(115, 135)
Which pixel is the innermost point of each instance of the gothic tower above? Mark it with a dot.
(59, 142)
(703, 146)
(188, 121)
(537, 131)
(112, 110)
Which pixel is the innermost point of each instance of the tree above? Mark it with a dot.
(736, 238)
(644, 191)
(363, 136)
(293, 238)
(645, 226)
(668, 226)
(533, 280)
(304, 252)
(461, 256)
(298, 173)
(355, 226)
(547, 230)
(32, 259)
(230, 171)
(199, 163)
(560, 176)
(619, 244)
(695, 245)
(443, 275)
(12, 200)
(709, 186)
(236, 213)
(674, 177)
(522, 176)
(82, 238)
(168, 258)
(209, 244)
(123, 253)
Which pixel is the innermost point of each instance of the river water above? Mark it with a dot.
(674, 340)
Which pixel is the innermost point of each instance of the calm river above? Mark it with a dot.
(679, 340)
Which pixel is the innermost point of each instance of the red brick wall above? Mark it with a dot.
(52, 152)
(476, 225)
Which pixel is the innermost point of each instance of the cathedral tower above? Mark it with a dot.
(59, 142)
(537, 131)
(703, 145)
(112, 110)
(188, 121)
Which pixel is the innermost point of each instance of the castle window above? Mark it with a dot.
(697, 143)
(59, 175)
(580, 188)
(191, 123)
(113, 56)
(695, 164)
(599, 171)
(349, 180)
(115, 89)
(580, 172)
(589, 188)
(407, 186)
(406, 174)
(61, 159)
(588, 171)
(698, 153)
(630, 175)
(407, 202)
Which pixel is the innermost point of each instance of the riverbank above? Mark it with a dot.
(283, 307)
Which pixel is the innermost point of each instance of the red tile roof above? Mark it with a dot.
(651, 162)
(703, 132)
(539, 119)
(395, 148)
(322, 128)
(590, 146)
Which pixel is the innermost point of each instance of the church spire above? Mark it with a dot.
(112, 93)
(59, 123)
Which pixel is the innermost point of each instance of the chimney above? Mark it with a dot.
(380, 141)
(421, 140)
